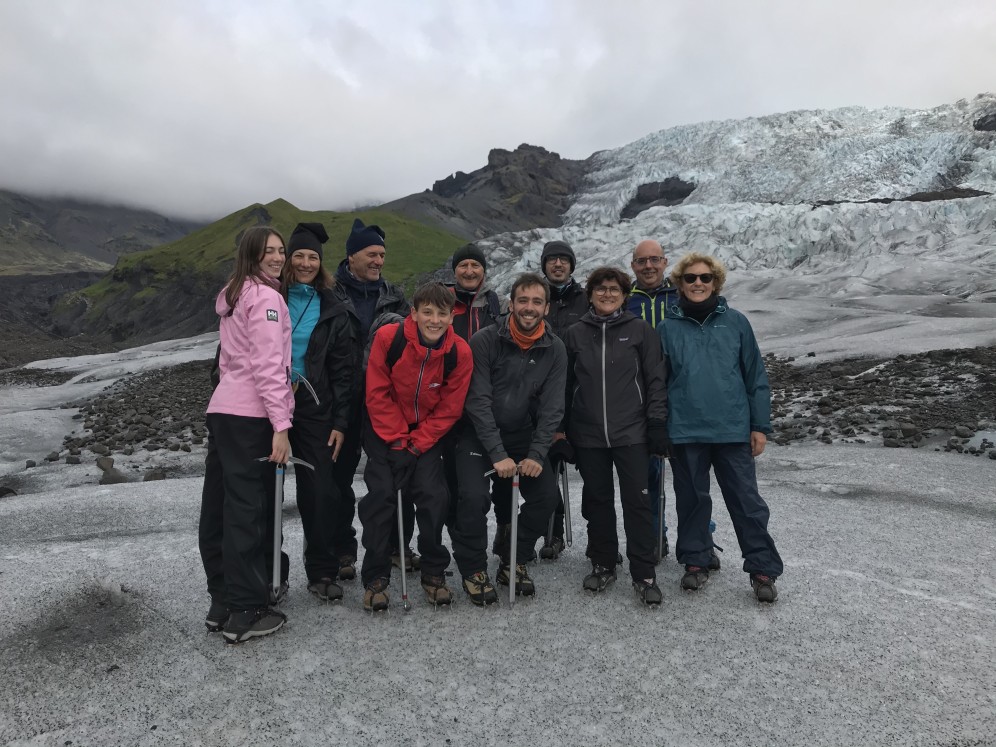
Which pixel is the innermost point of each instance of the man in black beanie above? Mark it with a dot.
(369, 297)
(568, 303)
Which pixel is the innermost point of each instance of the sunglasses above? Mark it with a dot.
(705, 277)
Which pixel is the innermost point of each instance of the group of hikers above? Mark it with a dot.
(454, 395)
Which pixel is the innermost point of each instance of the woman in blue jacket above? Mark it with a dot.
(719, 414)
(323, 348)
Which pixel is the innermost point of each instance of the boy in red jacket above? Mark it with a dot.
(417, 378)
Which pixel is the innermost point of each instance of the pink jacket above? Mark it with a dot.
(255, 356)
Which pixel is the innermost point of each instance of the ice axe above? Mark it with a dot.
(566, 494)
(278, 500)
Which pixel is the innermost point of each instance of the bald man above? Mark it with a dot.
(649, 300)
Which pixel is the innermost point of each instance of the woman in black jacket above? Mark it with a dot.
(616, 415)
(323, 352)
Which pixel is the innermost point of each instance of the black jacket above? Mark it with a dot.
(513, 390)
(567, 306)
(616, 381)
(329, 364)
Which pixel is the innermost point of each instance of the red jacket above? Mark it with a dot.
(413, 392)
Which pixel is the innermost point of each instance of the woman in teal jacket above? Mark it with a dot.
(719, 415)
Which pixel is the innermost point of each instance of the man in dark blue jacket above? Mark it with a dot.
(367, 295)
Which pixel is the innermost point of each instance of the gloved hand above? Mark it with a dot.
(657, 438)
(561, 451)
(402, 463)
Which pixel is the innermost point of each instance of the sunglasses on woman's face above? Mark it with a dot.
(705, 277)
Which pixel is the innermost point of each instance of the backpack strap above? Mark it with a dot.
(400, 342)
(398, 345)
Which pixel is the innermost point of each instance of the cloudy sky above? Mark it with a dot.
(200, 107)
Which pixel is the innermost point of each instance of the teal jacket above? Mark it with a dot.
(717, 388)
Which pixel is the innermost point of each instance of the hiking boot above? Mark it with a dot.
(599, 578)
(436, 590)
(523, 584)
(552, 550)
(714, 564)
(281, 594)
(375, 597)
(695, 578)
(326, 589)
(347, 568)
(413, 562)
(242, 626)
(649, 591)
(217, 616)
(764, 587)
(480, 589)
(500, 546)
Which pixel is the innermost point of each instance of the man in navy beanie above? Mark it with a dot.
(368, 297)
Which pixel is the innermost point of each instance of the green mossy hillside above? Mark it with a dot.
(157, 293)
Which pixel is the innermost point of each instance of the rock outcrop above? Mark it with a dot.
(529, 187)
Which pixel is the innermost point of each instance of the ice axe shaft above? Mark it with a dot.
(566, 493)
(402, 546)
(513, 540)
(660, 513)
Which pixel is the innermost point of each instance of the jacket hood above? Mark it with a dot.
(221, 306)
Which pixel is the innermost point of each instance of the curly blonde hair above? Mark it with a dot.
(717, 268)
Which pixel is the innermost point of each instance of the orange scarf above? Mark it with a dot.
(521, 339)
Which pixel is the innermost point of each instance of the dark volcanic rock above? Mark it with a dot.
(176, 397)
(671, 191)
(943, 396)
(986, 123)
(529, 187)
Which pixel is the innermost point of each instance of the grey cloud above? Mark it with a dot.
(199, 109)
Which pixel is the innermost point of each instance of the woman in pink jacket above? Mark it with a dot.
(248, 418)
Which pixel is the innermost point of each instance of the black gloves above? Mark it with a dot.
(657, 439)
(561, 451)
(402, 463)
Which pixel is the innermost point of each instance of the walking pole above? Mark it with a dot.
(660, 513)
(401, 544)
(566, 493)
(513, 539)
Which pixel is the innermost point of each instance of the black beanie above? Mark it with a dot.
(360, 237)
(557, 249)
(469, 251)
(307, 236)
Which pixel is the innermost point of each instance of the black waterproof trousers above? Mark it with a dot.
(501, 490)
(598, 506)
(236, 527)
(470, 532)
(343, 472)
(378, 510)
(317, 496)
(734, 468)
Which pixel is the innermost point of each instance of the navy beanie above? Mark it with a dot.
(469, 251)
(557, 249)
(307, 236)
(360, 237)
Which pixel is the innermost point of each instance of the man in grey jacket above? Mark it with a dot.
(514, 407)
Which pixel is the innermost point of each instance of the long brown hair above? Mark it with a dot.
(252, 247)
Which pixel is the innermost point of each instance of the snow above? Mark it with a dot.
(884, 631)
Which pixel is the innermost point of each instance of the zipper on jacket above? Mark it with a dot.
(636, 380)
(605, 408)
(418, 385)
